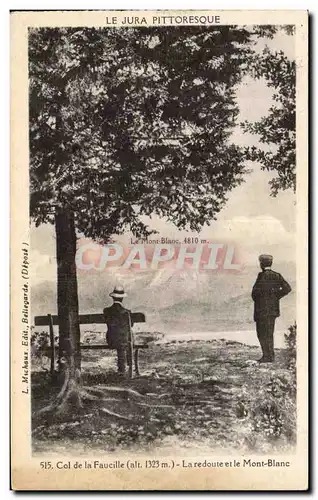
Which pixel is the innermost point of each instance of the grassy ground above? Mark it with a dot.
(194, 394)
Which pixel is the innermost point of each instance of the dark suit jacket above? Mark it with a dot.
(268, 289)
(118, 320)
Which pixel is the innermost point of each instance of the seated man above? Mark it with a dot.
(119, 323)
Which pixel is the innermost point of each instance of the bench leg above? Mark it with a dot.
(137, 361)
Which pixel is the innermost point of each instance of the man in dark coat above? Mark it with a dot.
(267, 291)
(119, 323)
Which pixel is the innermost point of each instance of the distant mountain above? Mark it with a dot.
(181, 300)
(233, 314)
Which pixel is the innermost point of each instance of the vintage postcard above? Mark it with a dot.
(159, 250)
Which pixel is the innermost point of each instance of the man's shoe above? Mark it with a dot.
(266, 360)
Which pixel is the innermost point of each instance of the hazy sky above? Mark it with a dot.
(252, 218)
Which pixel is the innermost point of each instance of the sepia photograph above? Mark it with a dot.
(159, 270)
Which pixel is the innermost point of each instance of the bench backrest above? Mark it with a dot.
(86, 319)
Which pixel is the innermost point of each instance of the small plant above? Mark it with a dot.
(291, 349)
(268, 420)
(40, 348)
(39, 343)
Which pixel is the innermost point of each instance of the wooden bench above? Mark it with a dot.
(51, 320)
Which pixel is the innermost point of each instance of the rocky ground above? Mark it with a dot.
(206, 394)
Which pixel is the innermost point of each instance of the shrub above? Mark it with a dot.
(40, 347)
(290, 342)
(270, 415)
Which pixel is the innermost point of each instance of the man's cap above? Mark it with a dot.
(118, 293)
(266, 259)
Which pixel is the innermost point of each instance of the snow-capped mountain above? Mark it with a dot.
(173, 299)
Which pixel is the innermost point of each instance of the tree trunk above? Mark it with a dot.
(72, 395)
(67, 295)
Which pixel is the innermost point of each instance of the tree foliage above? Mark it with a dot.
(126, 123)
(278, 128)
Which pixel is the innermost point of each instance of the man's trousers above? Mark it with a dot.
(265, 326)
(123, 356)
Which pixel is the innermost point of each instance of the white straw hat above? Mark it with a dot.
(118, 292)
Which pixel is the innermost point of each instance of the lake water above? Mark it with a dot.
(248, 337)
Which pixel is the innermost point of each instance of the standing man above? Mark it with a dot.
(267, 291)
(119, 323)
